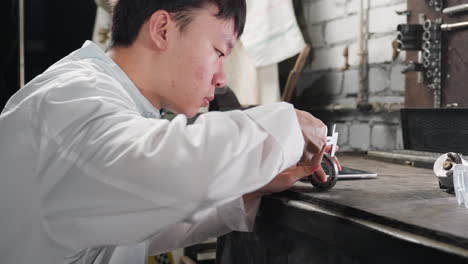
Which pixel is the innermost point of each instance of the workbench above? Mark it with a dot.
(399, 217)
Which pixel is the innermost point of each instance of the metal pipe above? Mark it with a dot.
(374, 107)
(409, 37)
(413, 67)
(409, 45)
(21, 43)
(363, 95)
(455, 9)
(400, 46)
(448, 27)
(409, 28)
(338, 107)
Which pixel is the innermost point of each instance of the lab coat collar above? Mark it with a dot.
(90, 49)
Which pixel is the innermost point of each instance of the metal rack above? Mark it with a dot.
(426, 38)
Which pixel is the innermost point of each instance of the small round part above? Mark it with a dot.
(447, 165)
(331, 169)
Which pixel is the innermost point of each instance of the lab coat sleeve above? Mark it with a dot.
(210, 223)
(126, 177)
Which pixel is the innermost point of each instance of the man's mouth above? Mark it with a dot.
(206, 101)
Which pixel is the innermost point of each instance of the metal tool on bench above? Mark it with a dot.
(330, 163)
(444, 167)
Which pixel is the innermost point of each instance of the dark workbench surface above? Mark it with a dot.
(399, 217)
(402, 200)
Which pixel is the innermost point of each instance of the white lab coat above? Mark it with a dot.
(271, 32)
(90, 174)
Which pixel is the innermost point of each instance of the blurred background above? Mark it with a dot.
(362, 69)
(391, 74)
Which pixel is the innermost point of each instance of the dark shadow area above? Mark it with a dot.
(9, 61)
(53, 29)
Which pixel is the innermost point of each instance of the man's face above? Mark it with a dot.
(196, 61)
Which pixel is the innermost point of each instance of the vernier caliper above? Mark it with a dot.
(333, 140)
(329, 164)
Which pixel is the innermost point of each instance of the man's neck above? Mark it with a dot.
(137, 65)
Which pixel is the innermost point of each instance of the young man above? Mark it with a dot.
(90, 174)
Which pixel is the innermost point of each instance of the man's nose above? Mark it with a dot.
(219, 78)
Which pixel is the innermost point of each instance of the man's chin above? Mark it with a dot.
(190, 113)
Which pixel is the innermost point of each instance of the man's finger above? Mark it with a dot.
(337, 162)
(317, 158)
(321, 175)
(310, 169)
(313, 161)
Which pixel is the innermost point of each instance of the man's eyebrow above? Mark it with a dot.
(229, 42)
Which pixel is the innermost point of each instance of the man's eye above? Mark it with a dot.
(220, 54)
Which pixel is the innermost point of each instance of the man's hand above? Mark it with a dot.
(315, 137)
(282, 182)
(285, 180)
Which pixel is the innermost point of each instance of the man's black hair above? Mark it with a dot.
(130, 15)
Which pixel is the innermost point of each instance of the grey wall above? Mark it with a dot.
(331, 26)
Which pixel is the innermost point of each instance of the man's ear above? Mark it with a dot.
(159, 24)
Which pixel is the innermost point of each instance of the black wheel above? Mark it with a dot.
(330, 169)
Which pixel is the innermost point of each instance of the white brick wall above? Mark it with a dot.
(359, 137)
(351, 78)
(377, 3)
(378, 79)
(387, 99)
(343, 134)
(399, 139)
(325, 10)
(397, 79)
(383, 137)
(380, 49)
(328, 58)
(332, 25)
(345, 101)
(340, 30)
(352, 6)
(354, 54)
(384, 19)
(315, 33)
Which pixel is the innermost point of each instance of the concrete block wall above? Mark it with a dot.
(332, 26)
(362, 132)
